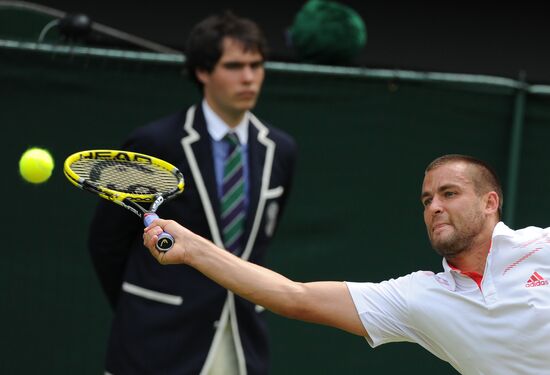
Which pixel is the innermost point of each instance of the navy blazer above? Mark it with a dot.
(166, 317)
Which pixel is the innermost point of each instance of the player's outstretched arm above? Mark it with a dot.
(327, 303)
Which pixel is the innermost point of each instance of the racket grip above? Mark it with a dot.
(165, 240)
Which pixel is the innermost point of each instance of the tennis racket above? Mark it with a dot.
(127, 178)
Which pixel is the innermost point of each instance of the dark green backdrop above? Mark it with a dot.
(354, 213)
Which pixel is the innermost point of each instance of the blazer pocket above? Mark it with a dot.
(152, 295)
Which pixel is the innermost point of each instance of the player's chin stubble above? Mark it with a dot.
(451, 246)
(460, 240)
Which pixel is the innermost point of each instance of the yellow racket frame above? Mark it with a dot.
(114, 195)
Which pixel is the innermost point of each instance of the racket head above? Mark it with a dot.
(123, 175)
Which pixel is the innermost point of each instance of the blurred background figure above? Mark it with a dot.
(238, 173)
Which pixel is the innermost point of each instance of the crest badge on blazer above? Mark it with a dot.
(271, 213)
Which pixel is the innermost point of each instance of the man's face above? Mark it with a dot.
(234, 84)
(453, 213)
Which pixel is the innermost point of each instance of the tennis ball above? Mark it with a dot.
(36, 165)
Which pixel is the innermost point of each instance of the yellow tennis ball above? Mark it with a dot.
(36, 165)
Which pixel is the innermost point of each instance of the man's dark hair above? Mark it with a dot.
(485, 181)
(204, 46)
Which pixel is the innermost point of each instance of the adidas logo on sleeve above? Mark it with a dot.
(536, 280)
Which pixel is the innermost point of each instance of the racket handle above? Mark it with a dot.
(165, 240)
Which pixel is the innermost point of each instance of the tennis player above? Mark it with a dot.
(487, 312)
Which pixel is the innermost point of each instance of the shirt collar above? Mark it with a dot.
(217, 128)
(502, 229)
(459, 280)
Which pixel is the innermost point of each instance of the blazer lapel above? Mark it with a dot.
(256, 159)
(261, 150)
(198, 151)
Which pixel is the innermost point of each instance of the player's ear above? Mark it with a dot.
(492, 202)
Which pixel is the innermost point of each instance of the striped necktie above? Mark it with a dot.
(232, 202)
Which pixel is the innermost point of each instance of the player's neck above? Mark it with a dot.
(472, 260)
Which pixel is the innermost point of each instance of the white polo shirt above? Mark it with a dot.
(501, 328)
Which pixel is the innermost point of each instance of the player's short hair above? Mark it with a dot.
(204, 46)
(485, 180)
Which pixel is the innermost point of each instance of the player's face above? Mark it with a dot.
(234, 84)
(453, 212)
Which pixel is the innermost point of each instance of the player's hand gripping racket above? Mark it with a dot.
(127, 178)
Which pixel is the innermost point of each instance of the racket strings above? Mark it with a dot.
(125, 176)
